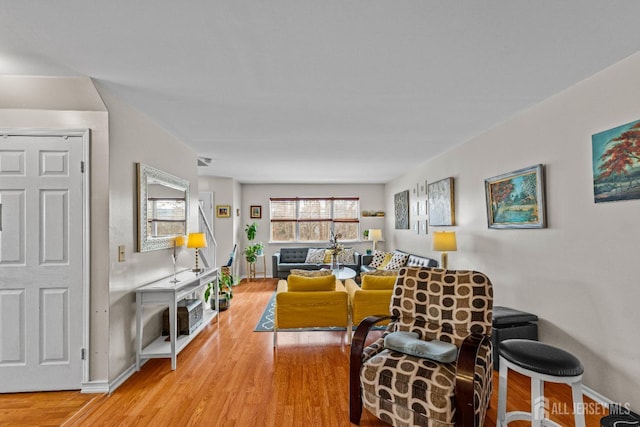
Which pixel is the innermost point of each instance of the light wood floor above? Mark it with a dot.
(231, 376)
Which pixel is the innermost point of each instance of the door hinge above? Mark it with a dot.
(83, 354)
(82, 167)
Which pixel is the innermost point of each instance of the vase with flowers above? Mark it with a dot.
(335, 249)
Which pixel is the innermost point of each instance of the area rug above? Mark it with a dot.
(265, 324)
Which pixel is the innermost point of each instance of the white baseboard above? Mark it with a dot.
(95, 387)
(113, 385)
(106, 386)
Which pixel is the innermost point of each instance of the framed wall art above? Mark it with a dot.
(616, 163)
(440, 202)
(223, 211)
(401, 206)
(256, 211)
(516, 199)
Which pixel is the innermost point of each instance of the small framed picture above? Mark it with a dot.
(256, 211)
(223, 211)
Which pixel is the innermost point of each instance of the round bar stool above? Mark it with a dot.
(540, 362)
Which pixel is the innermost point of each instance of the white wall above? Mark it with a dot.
(135, 138)
(226, 230)
(371, 197)
(579, 275)
(119, 139)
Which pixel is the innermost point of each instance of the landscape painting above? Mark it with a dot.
(616, 163)
(516, 199)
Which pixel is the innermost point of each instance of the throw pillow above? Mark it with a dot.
(385, 261)
(409, 343)
(377, 283)
(327, 256)
(315, 256)
(346, 256)
(310, 273)
(380, 273)
(378, 258)
(301, 283)
(398, 260)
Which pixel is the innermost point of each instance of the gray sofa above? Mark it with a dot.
(294, 258)
(412, 261)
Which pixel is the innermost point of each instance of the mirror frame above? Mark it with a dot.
(146, 242)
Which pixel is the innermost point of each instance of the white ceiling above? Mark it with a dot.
(349, 91)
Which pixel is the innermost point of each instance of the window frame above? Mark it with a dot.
(298, 220)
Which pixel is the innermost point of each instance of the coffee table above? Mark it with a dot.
(344, 273)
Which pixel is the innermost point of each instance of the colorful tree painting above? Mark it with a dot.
(516, 199)
(616, 163)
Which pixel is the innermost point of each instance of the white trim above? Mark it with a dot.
(113, 385)
(95, 387)
(86, 261)
(596, 397)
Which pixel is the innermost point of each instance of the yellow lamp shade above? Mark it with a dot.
(445, 241)
(196, 240)
(375, 234)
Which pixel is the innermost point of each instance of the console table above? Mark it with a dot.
(166, 293)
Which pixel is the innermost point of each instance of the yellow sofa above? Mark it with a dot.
(303, 305)
(373, 298)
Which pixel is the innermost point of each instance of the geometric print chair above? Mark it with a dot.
(404, 390)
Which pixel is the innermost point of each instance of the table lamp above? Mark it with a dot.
(375, 234)
(196, 241)
(444, 241)
(177, 242)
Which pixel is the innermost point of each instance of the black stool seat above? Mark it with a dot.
(541, 358)
(619, 420)
(505, 316)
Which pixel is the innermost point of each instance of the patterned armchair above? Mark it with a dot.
(404, 390)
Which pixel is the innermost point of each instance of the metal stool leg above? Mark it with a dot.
(537, 402)
(502, 394)
(578, 403)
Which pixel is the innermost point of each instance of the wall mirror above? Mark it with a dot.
(163, 208)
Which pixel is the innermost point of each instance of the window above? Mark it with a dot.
(166, 216)
(301, 219)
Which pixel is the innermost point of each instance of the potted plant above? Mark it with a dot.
(259, 248)
(250, 253)
(251, 231)
(226, 282)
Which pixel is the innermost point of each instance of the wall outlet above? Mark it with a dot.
(121, 253)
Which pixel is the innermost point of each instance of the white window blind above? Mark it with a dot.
(307, 219)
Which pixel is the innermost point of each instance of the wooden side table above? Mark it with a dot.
(251, 268)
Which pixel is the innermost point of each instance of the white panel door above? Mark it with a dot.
(41, 262)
